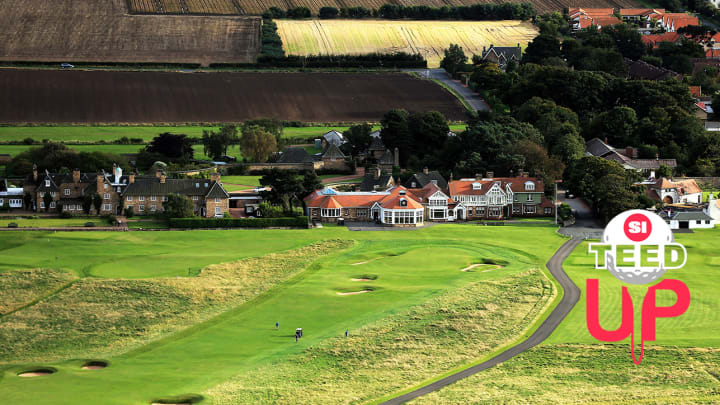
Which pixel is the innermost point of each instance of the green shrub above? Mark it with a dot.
(89, 224)
(129, 212)
(12, 225)
(191, 223)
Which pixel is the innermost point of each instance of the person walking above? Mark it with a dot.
(277, 325)
(347, 332)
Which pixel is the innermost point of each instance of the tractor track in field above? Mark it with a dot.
(570, 298)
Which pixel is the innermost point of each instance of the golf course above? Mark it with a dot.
(190, 317)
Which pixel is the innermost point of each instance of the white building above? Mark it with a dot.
(691, 220)
(10, 197)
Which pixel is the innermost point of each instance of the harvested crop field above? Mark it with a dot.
(428, 38)
(257, 6)
(103, 31)
(51, 96)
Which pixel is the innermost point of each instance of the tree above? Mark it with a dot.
(310, 182)
(542, 47)
(539, 163)
(328, 12)
(395, 133)
(129, 212)
(97, 202)
(358, 137)
(175, 148)
(454, 59)
(52, 156)
(47, 199)
(213, 144)
(257, 144)
(616, 125)
(429, 132)
(271, 125)
(179, 206)
(285, 187)
(87, 203)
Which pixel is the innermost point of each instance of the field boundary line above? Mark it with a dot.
(454, 93)
(542, 329)
(42, 298)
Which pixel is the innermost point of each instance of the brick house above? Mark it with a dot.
(146, 195)
(501, 197)
(438, 206)
(10, 197)
(394, 207)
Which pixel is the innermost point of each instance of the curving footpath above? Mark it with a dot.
(571, 296)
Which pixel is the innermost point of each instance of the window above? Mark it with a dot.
(403, 202)
(197, 185)
(129, 198)
(153, 208)
(707, 222)
(47, 183)
(494, 211)
(529, 197)
(403, 217)
(217, 210)
(52, 194)
(330, 212)
(141, 208)
(362, 212)
(129, 206)
(105, 186)
(195, 198)
(52, 204)
(153, 198)
(141, 198)
(346, 212)
(164, 198)
(106, 196)
(530, 209)
(1, 203)
(548, 210)
(480, 211)
(529, 186)
(107, 207)
(71, 207)
(42, 204)
(516, 209)
(413, 185)
(67, 191)
(217, 201)
(515, 197)
(206, 184)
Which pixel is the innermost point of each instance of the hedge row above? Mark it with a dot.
(159, 65)
(270, 41)
(373, 60)
(504, 11)
(190, 223)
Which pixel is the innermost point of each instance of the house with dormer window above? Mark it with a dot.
(438, 205)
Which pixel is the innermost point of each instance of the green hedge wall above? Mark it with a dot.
(191, 223)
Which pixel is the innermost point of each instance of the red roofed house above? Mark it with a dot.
(674, 21)
(394, 207)
(501, 197)
(675, 192)
(587, 17)
(656, 39)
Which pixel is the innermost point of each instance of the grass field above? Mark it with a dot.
(413, 276)
(51, 222)
(429, 38)
(92, 134)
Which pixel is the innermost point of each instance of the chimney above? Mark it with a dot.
(131, 178)
(117, 172)
(377, 172)
(629, 151)
(100, 182)
(489, 175)
(523, 173)
(425, 170)
(397, 156)
(76, 176)
(606, 140)
(158, 173)
(215, 176)
(162, 177)
(34, 172)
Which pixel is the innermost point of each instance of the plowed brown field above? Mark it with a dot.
(51, 96)
(258, 6)
(102, 31)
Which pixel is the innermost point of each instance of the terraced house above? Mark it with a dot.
(501, 197)
(146, 195)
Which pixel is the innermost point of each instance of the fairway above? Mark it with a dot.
(428, 38)
(399, 269)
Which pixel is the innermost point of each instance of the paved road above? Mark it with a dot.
(473, 99)
(571, 296)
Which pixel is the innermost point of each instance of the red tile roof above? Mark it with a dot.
(517, 185)
(656, 39)
(712, 53)
(696, 91)
(391, 200)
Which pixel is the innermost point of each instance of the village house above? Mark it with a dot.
(394, 207)
(688, 219)
(297, 158)
(10, 197)
(503, 197)
(673, 192)
(627, 157)
(333, 137)
(420, 180)
(645, 19)
(376, 180)
(376, 149)
(713, 207)
(146, 195)
(502, 55)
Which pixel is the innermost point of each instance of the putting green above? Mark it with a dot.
(410, 268)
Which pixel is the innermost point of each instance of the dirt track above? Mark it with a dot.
(74, 96)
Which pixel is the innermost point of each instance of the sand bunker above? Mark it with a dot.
(94, 365)
(167, 403)
(366, 261)
(494, 266)
(36, 373)
(353, 292)
(361, 279)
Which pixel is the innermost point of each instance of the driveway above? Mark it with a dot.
(571, 296)
(473, 99)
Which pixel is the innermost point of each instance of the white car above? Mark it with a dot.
(66, 66)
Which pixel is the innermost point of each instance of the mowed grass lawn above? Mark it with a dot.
(51, 222)
(428, 38)
(404, 269)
